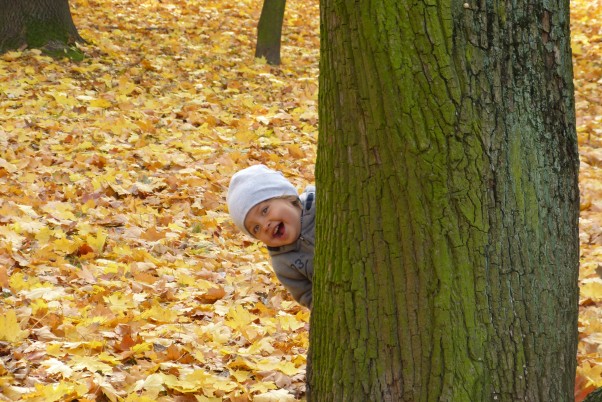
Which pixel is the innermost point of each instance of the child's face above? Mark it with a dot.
(276, 222)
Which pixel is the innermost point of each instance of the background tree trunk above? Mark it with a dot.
(36, 23)
(447, 234)
(269, 31)
(594, 396)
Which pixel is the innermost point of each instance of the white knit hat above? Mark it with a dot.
(251, 186)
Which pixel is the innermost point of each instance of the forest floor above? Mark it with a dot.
(586, 35)
(122, 277)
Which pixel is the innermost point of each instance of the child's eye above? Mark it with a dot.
(255, 229)
(264, 210)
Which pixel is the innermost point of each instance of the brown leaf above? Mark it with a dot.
(84, 249)
(212, 295)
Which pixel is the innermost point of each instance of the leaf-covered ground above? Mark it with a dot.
(122, 277)
(586, 29)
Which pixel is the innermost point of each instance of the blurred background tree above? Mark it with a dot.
(269, 31)
(38, 24)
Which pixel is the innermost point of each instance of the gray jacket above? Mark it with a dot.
(294, 263)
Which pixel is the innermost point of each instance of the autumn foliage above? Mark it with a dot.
(121, 276)
(586, 27)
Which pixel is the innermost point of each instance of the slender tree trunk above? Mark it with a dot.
(447, 234)
(269, 31)
(36, 23)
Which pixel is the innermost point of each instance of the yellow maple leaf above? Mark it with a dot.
(210, 381)
(88, 205)
(187, 280)
(299, 360)
(38, 306)
(9, 235)
(241, 375)
(160, 314)
(56, 392)
(9, 167)
(119, 302)
(263, 387)
(141, 347)
(91, 364)
(55, 349)
(10, 330)
(289, 322)
(28, 226)
(28, 210)
(55, 366)
(295, 151)
(101, 103)
(63, 99)
(66, 246)
(107, 358)
(238, 317)
(286, 367)
(241, 363)
(185, 386)
(59, 210)
(97, 242)
(246, 136)
(43, 235)
(260, 346)
(153, 385)
(18, 282)
(85, 145)
(593, 373)
(592, 289)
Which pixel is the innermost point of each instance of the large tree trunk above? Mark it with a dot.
(447, 232)
(269, 31)
(36, 23)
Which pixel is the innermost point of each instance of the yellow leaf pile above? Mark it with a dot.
(121, 275)
(586, 27)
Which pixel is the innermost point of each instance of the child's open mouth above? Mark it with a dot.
(279, 230)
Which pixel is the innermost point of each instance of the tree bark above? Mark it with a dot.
(36, 23)
(269, 31)
(594, 396)
(447, 242)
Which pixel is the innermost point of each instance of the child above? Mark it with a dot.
(266, 206)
